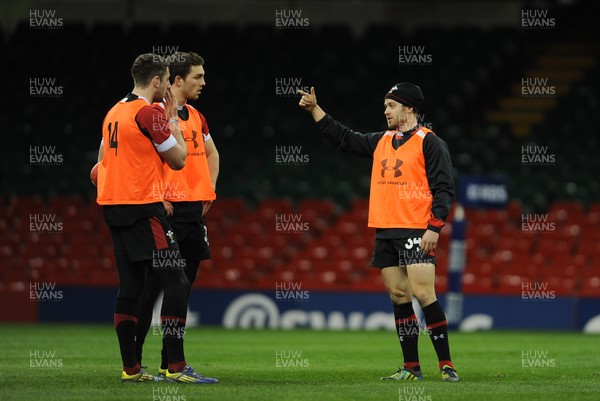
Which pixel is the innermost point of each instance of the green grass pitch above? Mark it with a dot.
(81, 362)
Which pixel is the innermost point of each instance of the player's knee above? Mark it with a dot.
(177, 286)
(184, 283)
(424, 296)
(399, 294)
(191, 269)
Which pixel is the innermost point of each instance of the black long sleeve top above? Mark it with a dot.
(437, 164)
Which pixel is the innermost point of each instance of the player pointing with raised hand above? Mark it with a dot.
(411, 195)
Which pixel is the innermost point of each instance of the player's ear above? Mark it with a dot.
(155, 81)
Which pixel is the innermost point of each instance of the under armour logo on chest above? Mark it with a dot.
(395, 168)
(192, 139)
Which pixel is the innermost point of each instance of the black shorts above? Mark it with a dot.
(399, 252)
(193, 239)
(145, 239)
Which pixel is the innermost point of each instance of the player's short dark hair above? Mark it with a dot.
(182, 63)
(147, 66)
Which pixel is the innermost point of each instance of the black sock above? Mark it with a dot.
(172, 319)
(438, 332)
(144, 316)
(407, 328)
(125, 325)
(164, 358)
(144, 322)
(191, 270)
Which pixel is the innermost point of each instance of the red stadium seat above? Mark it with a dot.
(302, 265)
(70, 206)
(484, 235)
(317, 252)
(347, 266)
(477, 284)
(441, 284)
(227, 211)
(497, 217)
(338, 253)
(512, 284)
(590, 287)
(360, 253)
(279, 206)
(587, 247)
(25, 206)
(101, 277)
(284, 275)
(571, 211)
(331, 241)
(43, 250)
(561, 272)
(515, 211)
(360, 240)
(517, 244)
(347, 227)
(479, 269)
(324, 207)
(248, 252)
(549, 246)
(79, 250)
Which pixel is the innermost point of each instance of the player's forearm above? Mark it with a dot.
(317, 113)
(443, 194)
(438, 166)
(346, 140)
(101, 151)
(213, 166)
(176, 131)
(440, 208)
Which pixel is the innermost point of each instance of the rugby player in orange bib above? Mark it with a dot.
(137, 137)
(411, 195)
(188, 192)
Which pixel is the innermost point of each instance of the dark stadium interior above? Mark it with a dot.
(473, 101)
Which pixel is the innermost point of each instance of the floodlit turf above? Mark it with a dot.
(83, 364)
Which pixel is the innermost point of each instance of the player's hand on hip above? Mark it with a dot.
(168, 208)
(205, 206)
(429, 241)
(308, 101)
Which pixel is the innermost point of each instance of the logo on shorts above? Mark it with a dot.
(395, 167)
(170, 236)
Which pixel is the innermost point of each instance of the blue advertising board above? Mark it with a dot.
(482, 191)
(297, 308)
